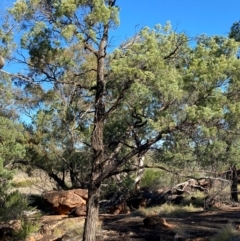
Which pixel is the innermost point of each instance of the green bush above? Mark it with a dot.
(13, 208)
(115, 188)
(151, 178)
(196, 199)
(27, 227)
(14, 205)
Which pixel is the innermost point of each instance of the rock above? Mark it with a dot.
(63, 202)
(47, 238)
(154, 221)
(7, 229)
(80, 211)
(35, 237)
(31, 238)
(121, 208)
(82, 193)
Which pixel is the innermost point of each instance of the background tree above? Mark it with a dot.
(57, 140)
(12, 147)
(235, 31)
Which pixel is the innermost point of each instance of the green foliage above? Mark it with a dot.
(14, 205)
(156, 81)
(180, 98)
(27, 227)
(11, 148)
(196, 199)
(151, 178)
(113, 187)
(12, 140)
(235, 31)
(13, 209)
(99, 111)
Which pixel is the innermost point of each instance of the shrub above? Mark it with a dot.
(113, 188)
(228, 233)
(13, 208)
(27, 227)
(151, 178)
(197, 199)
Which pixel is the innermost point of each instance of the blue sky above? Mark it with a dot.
(211, 17)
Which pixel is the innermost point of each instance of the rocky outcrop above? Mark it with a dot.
(64, 202)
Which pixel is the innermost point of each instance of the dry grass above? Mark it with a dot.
(23, 183)
(228, 233)
(166, 210)
(197, 200)
(72, 227)
(180, 230)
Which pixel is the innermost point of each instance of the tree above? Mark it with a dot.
(12, 203)
(57, 135)
(152, 87)
(235, 31)
(11, 147)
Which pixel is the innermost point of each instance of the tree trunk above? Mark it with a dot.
(97, 145)
(234, 189)
(232, 175)
(140, 172)
(91, 221)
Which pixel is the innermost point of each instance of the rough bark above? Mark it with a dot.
(234, 189)
(90, 226)
(232, 175)
(97, 145)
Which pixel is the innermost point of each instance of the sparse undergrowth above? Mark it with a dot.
(228, 233)
(167, 210)
(14, 210)
(27, 228)
(197, 200)
(71, 228)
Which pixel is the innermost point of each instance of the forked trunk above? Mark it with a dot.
(91, 221)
